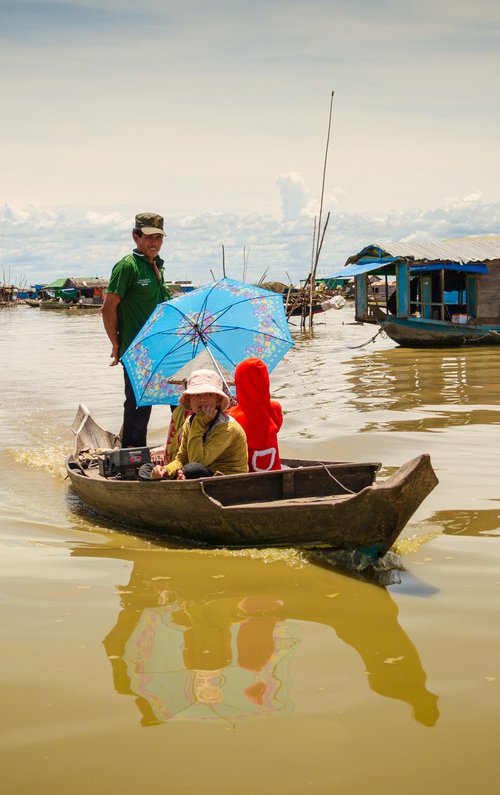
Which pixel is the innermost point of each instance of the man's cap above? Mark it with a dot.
(149, 224)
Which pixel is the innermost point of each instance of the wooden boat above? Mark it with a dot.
(63, 306)
(34, 303)
(308, 504)
(417, 332)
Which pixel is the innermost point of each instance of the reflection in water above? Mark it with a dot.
(411, 380)
(467, 523)
(221, 659)
(209, 635)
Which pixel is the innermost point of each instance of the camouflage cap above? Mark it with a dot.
(149, 224)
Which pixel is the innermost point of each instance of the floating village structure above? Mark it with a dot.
(8, 294)
(82, 293)
(446, 293)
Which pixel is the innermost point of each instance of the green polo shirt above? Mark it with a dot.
(134, 280)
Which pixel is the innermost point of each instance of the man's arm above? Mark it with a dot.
(110, 320)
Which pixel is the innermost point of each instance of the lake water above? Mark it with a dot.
(127, 666)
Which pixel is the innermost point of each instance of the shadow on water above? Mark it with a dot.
(210, 635)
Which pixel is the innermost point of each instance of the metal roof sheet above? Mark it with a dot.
(82, 282)
(465, 249)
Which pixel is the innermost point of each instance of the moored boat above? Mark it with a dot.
(421, 333)
(55, 305)
(309, 504)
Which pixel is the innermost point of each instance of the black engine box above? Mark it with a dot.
(123, 462)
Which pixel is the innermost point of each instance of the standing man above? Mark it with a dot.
(136, 287)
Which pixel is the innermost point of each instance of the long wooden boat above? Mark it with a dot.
(413, 332)
(62, 306)
(307, 504)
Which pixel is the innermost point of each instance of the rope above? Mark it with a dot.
(380, 331)
(349, 491)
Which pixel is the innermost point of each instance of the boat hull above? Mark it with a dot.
(311, 505)
(57, 306)
(421, 333)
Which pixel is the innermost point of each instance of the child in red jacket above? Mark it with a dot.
(260, 417)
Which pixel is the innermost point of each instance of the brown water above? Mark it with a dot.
(127, 666)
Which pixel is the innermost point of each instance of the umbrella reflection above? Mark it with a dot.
(208, 635)
(218, 660)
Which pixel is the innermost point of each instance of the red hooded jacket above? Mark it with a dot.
(260, 417)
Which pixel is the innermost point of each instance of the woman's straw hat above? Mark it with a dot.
(202, 381)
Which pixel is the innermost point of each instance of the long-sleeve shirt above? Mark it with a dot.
(220, 445)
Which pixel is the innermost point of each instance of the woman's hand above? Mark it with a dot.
(181, 475)
(210, 412)
(157, 472)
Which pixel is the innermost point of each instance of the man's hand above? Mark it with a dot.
(114, 354)
(110, 319)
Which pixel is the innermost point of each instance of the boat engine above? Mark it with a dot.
(123, 463)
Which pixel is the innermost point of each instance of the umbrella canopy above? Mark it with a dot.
(231, 319)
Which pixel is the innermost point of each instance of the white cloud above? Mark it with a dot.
(294, 195)
(39, 245)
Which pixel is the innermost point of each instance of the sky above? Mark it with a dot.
(215, 113)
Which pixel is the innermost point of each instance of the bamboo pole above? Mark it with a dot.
(313, 277)
(311, 282)
(223, 262)
(324, 167)
(319, 244)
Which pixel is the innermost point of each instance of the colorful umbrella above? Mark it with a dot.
(231, 319)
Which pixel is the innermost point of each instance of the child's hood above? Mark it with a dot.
(252, 382)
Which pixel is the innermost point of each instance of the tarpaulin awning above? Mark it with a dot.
(365, 265)
(471, 267)
(373, 265)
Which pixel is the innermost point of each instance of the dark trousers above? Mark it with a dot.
(135, 419)
(192, 471)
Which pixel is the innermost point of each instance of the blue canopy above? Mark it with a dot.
(374, 265)
(364, 265)
(474, 267)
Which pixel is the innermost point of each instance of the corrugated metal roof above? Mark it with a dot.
(465, 249)
(83, 282)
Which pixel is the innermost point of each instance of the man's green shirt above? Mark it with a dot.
(134, 280)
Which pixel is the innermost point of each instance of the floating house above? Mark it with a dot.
(8, 294)
(55, 289)
(86, 291)
(446, 293)
(89, 290)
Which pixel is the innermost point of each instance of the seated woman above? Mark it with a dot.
(259, 416)
(212, 441)
(174, 435)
